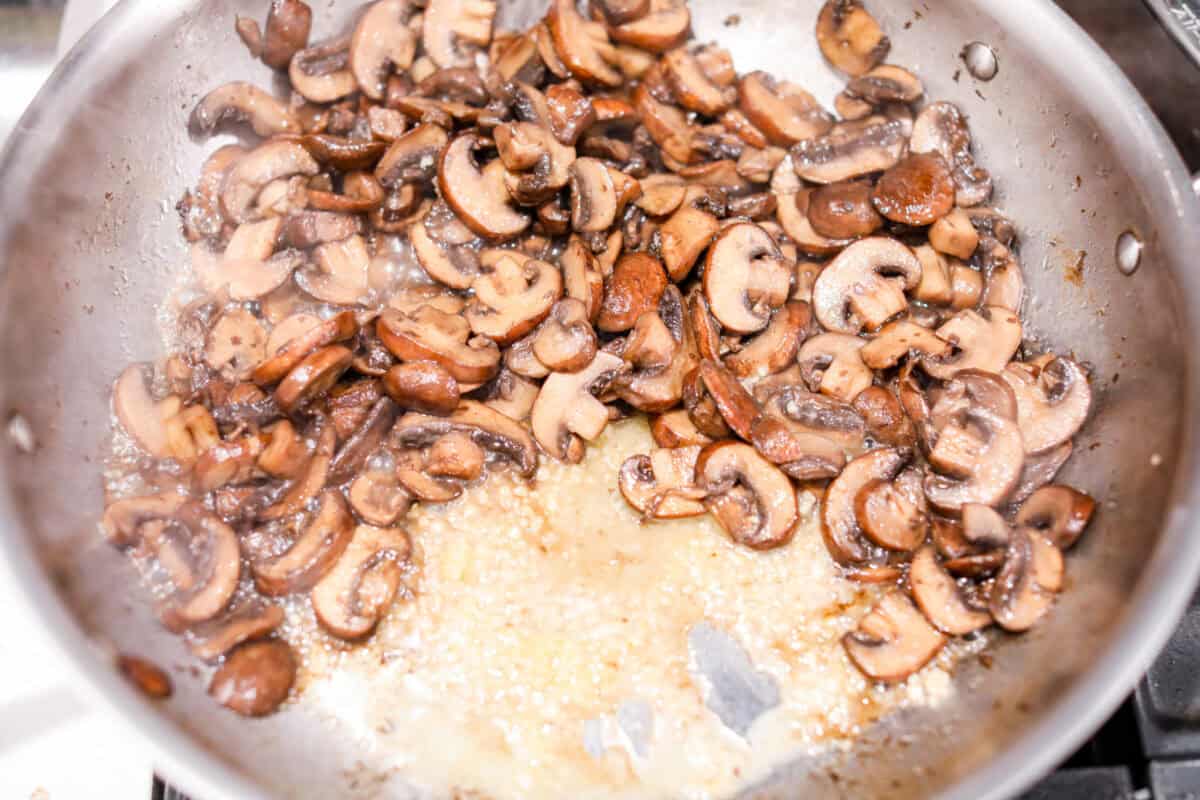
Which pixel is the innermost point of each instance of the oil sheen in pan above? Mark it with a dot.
(556, 647)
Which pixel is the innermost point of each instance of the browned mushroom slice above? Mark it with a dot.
(776, 347)
(954, 235)
(321, 72)
(229, 461)
(381, 40)
(892, 514)
(966, 287)
(311, 554)
(255, 678)
(512, 299)
(618, 12)
(897, 340)
(242, 102)
(885, 418)
(918, 190)
(581, 276)
(510, 394)
(635, 287)
(247, 269)
(351, 599)
(206, 568)
(454, 266)
(377, 497)
(297, 336)
(565, 342)
(123, 520)
(832, 364)
(200, 210)
(273, 160)
(593, 196)
(488, 428)
(235, 344)
(792, 208)
(651, 344)
(306, 229)
(864, 286)
(1038, 470)
(800, 454)
(412, 157)
(941, 128)
(783, 111)
(843, 210)
(285, 454)
(412, 472)
(431, 334)
(685, 235)
(693, 88)
(894, 639)
(984, 455)
(455, 29)
(850, 150)
(253, 620)
(455, 455)
(307, 484)
(584, 50)
(662, 194)
(422, 386)
(288, 25)
(1005, 281)
(1059, 513)
(940, 598)
(365, 440)
(538, 166)
(984, 340)
(312, 377)
(571, 112)
(1024, 590)
(342, 153)
(839, 523)
(850, 38)
(567, 413)
(736, 406)
(140, 414)
(1052, 402)
(983, 526)
(745, 278)
(884, 84)
(664, 27)
(477, 195)
(662, 484)
(749, 497)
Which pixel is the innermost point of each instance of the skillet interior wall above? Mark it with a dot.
(89, 243)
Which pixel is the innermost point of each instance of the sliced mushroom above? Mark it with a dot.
(664, 27)
(512, 299)
(242, 102)
(662, 484)
(885, 418)
(285, 454)
(288, 25)
(351, 599)
(850, 38)
(431, 334)
(792, 208)
(566, 412)
(635, 287)
(412, 471)
(455, 29)
(297, 336)
(618, 12)
(662, 194)
(582, 279)
(571, 112)
(1038, 470)
(274, 160)
(675, 429)
(1005, 281)
(749, 497)
(940, 598)
(985, 451)
(800, 454)
(843, 210)
(365, 439)
(1058, 513)
(954, 235)
(253, 620)
(306, 229)
(229, 461)
(487, 427)
(247, 269)
(422, 386)
(377, 498)
(311, 554)
(984, 340)
(593, 196)
(839, 522)
(510, 394)
(899, 339)
(1030, 578)
(1052, 402)
(776, 347)
(456, 266)
(565, 341)
(745, 278)
(477, 195)
(783, 111)
(140, 414)
(864, 286)
(255, 678)
(918, 190)
(313, 376)
(207, 569)
(894, 639)
(308, 483)
(884, 84)
(941, 128)
(935, 286)
(382, 40)
(321, 72)
(586, 55)
(983, 526)
(736, 406)
(832, 364)
(412, 157)
(892, 514)
(693, 88)
(850, 149)
(685, 235)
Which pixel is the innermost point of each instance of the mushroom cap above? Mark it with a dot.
(452, 26)
(843, 210)
(382, 38)
(565, 341)
(270, 161)
(694, 90)
(940, 599)
(893, 640)
(320, 72)
(414, 156)
(995, 454)
(255, 678)
(800, 454)
(850, 38)
(839, 522)
(423, 386)
(635, 287)
(355, 594)
(885, 417)
(985, 340)
(832, 363)
(512, 298)
(288, 24)
(864, 285)
(675, 429)
(745, 277)
(791, 209)
(478, 196)
(312, 377)
(311, 554)
(684, 236)
(1057, 512)
(487, 427)
(749, 496)
(242, 102)
(892, 513)
(783, 111)
(1052, 402)
(583, 49)
(566, 409)
(850, 150)
(665, 26)
(942, 128)
(918, 190)
(662, 485)
(430, 334)
(776, 347)
(297, 336)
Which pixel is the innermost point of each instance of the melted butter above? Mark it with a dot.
(541, 609)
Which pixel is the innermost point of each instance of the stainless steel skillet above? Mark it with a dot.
(88, 245)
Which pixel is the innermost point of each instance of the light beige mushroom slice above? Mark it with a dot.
(248, 268)
(940, 599)
(1052, 402)
(285, 455)
(208, 565)
(832, 364)
(295, 337)
(749, 496)
(355, 594)
(1027, 583)
(745, 278)
(455, 29)
(140, 414)
(942, 128)
(935, 287)
(455, 455)
(850, 38)
(413, 157)
(850, 150)
(510, 394)
(123, 520)
(253, 620)
(565, 341)
(662, 485)
(662, 193)
(899, 339)
(242, 102)
(340, 276)
(567, 413)
(413, 474)
(307, 482)
(431, 334)
(321, 72)
(984, 527)
(585, 50)
(382, 40)
(893, 640)
(954, 235)
(776, 347)
(839, 521)
(864, 286)
(792, 205)
(537, 163)
(311, 554)
(512, 299)
(455, 266)
(1058, 512)
(887, 83)
(478, 196)
(985, 340)
(235, 344)
(984, 455)
(783, 111)
(490, 429)
(274, 160)
(582, 279)
(1005, 285)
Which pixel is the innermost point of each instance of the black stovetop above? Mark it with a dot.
(1149, 749)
